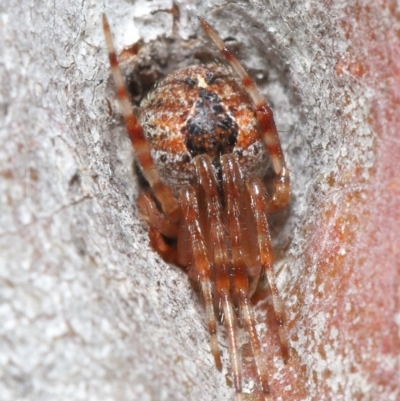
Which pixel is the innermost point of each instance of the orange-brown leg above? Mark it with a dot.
(159, 244)
(260, 207)
(200, 262)
(140, 145)
(159, 228)
(218, 243)
(154, 218)
(233, 195)
(281, 195)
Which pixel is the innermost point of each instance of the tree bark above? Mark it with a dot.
(89, 311)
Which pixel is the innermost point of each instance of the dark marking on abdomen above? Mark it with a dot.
(210, 129)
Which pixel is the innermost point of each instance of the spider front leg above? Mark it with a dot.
(233, 195)
(260, 207)
(212, 217)
(192, 247)
(281, 196)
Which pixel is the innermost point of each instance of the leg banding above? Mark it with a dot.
(163, 194)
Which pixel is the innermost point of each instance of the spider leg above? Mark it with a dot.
(281, 195)
(158, 243)
(154, 218)
(260, 206)
(201, 264)
(217, 243)
(163, 193)
(233, 195)
(159, 227)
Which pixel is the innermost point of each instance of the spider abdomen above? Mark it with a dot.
(201, 110)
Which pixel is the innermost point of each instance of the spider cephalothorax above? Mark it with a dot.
(204, 139)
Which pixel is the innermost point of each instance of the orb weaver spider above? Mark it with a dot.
(203, 139)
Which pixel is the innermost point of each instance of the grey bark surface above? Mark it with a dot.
(88, 311)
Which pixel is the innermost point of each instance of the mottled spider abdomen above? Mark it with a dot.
(197, 110)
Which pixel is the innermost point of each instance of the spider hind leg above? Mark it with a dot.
(281, 196)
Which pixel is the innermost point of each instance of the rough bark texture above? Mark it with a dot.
(89, 312)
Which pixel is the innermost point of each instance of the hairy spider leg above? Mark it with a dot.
(199, 261)
(163, 194)
(281, 195)
(218, 246)
(233, 195)
(260, 206)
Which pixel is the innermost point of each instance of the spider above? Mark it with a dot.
(204, 138)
